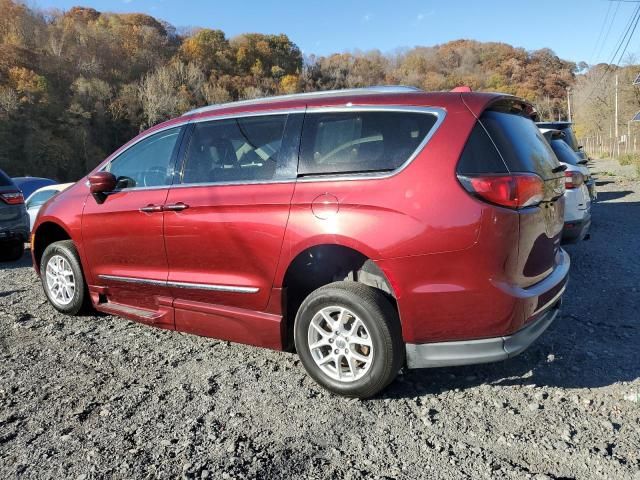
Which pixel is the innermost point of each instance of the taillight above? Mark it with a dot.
(573, 180)
(12, 198)
(513, 191)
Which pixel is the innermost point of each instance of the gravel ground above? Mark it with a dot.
(99, 396)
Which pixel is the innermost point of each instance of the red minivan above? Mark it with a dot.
(367, 229)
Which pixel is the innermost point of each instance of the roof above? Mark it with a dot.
(58, 187)
(386, 89)
(555, 124)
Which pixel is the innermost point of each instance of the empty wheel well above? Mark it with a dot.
(321, 265)
(47, 234)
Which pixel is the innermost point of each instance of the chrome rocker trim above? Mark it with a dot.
(186, 285)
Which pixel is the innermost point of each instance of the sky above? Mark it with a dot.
(575, 29)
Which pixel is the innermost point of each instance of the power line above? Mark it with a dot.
(630, 28)
(598, 46)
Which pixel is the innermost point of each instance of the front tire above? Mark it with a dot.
(349, 339)
(62, 278)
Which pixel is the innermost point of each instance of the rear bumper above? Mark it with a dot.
(470, 352)
(15, 230)
(576, 230)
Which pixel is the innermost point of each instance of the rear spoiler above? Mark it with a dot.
(551, 134)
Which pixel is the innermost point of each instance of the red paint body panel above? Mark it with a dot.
(120, 240)
(457, 266)
(230, 235)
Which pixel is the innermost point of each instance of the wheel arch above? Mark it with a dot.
(45, 234)
(321, 264)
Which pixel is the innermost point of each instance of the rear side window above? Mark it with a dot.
(564, 152)
(480, 155)
(520, 143)
(5, 181)
(356, 142)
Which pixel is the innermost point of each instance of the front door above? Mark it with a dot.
(123, 236)
(225, 220)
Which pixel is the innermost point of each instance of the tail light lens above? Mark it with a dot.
(12, 198)
(512, 191)
(573, 180)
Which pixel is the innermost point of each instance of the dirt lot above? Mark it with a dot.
(100, 396)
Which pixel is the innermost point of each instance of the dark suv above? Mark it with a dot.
(14, 221)
(368, 229)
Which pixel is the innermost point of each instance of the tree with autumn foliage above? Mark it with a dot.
(75, 85)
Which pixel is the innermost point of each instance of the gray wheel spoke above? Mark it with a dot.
(327, 359)
(360, 341)
(359, 357)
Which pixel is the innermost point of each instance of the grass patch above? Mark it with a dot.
(629, 159)
(632, 159)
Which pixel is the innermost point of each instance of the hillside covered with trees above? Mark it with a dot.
(75, 85)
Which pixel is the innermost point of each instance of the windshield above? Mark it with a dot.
(40, 198)
(520, 143)
(570, 138)
(564, 152)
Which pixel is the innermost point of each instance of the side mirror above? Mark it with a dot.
(101, 183)
(579, 147)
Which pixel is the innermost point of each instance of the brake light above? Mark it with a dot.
(513, 191)
(573, 180)
(12, 198)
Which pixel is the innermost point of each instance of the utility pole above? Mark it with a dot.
(617, 144)
(569, 102)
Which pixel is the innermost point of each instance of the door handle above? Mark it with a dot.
(176, 207)
(151, 208)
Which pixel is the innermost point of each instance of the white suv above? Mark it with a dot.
(577, 213)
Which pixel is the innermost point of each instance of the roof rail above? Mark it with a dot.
(276, 98)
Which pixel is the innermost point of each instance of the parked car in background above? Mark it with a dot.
(40, 197)
(371, 228)
(569, 135)
(14, 221)
(577, 212)
(28, 185)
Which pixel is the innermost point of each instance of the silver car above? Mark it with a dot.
(14, 221)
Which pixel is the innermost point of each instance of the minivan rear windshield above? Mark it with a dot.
(520, 143)
(5, 181)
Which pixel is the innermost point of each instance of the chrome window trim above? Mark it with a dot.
(232, 183)
(186, 285)
(440, 114)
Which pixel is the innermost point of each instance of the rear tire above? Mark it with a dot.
(11, 251)
(349, 339)
(62, 278)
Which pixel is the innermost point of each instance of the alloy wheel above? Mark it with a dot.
(340, 344)
(61, 282)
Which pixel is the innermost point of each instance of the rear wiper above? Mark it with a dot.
(559, 168)
(583, 162)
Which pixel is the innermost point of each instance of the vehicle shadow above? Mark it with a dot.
(25, 261)
(601, 183)
(593, 342)
(605, 196)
